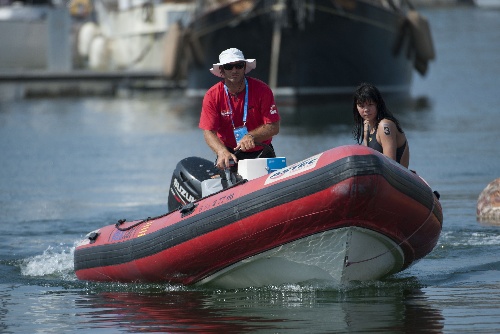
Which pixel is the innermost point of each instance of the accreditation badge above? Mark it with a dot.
(240, 132)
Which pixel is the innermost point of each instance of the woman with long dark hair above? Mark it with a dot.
(376, 127)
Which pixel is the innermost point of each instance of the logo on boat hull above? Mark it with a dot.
(294, 169)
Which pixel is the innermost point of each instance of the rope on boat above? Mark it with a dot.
(122, 221)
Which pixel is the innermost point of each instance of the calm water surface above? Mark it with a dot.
(69, 166)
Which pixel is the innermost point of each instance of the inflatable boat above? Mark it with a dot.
(346, 214)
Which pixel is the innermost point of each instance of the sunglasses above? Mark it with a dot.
(229, 67)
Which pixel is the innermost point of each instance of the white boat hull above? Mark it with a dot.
(338, 256)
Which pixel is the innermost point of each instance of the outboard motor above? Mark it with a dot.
(196, 177)
(185, 186)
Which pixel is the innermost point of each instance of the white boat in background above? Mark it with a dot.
(487, 4)
(35, 36)
(133, 35)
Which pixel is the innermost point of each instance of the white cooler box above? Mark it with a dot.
(253, 168)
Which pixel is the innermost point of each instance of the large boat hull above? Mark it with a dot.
(346, 214)
(326, 52)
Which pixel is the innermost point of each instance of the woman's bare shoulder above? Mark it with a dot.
(387, 126)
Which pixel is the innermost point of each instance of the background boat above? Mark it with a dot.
(35, 35)
(488, 4)
(135, 35)
(312, 49)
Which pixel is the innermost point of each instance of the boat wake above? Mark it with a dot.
(54, 262)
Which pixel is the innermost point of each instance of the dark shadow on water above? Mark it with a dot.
(419, 103)
(319, 114)
(323, 114)
(316, 116)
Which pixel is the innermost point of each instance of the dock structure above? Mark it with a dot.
(20, 84)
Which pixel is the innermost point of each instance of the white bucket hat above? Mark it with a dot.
(230, 56)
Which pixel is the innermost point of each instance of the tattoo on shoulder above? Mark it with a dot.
(387, 131)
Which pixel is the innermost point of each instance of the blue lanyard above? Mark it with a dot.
(245, 108)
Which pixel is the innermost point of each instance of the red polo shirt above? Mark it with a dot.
(216, 114)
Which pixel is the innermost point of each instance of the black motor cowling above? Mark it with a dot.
(185, 186)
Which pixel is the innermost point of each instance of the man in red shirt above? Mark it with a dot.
(238, 111)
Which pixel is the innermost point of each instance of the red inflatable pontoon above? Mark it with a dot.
(349, 213)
